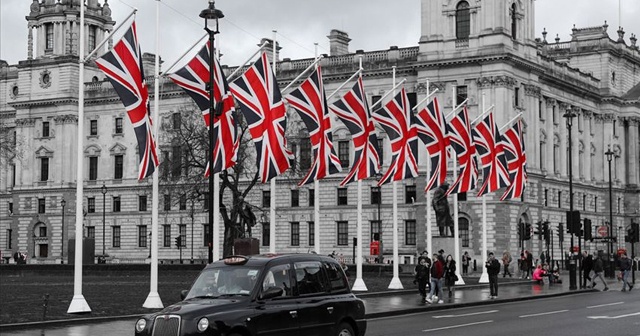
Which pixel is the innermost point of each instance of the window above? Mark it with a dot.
(343, 153)
(309, 278)
(376, 229)
(10, 207)
(556, 157)
(294, 150)
(118, 167)
(554, 115)
(461, 94)
(182, 231)
(614, 128)
(91, 232)
(116, 204)
(376, 197)
(207, 235)
(167, 202)
(42, 231)
(514, 20)
(91, 205)
(375, 99)
(559, 199)
(516, 96)
(278, 276)
(312, 197)
(93, 127)
(205, 204)
(295, 234)
(93, 168)
(44, 169)
(312, 234)
(337, 281)
(618, 205)
(165, 164)
(542, 156)
(142, 236)
(183, 202)
(540, 114)
(115, 236)
(305, 153)
(9, 245)
(409, 194)
(176, 161)
(546, 197)
(295, 197)
(118, 125)
(45, 129)
(463, 227)
(343, 233)
(381, 149)
(166, 236)
(595, 204)
(92, 38)
(410, 232)
(463, 21)
(342, 196)
(584, 202)
(176, 121)
(266, 198)
(266, 234)
(41, 206)
(48, 28)
(142, 203)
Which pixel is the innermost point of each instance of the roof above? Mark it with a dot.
(633, 94)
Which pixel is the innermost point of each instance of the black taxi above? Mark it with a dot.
(284, 294)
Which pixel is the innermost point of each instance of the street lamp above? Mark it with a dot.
(609, 153)
(104, 193)
(572, 263)
(211, 16)
(63, 203)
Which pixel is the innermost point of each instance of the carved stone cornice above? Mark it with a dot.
(576, 110)
(420, 88)
(587, 113)
(502, 80)
(598, 117)
(564, 106)
(26, 122)
(531, 90)
(484, 82)
(634, 122)
(437, 85)
(66, 119)
(549, 101)
(608, 117)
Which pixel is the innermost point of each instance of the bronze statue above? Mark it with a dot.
(441, 207)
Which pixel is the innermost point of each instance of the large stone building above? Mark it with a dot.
(467, 49)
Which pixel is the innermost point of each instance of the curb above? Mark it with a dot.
(415, 290)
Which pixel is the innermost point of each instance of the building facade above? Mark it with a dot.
(467, 50)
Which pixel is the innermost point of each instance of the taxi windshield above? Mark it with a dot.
(224, 281)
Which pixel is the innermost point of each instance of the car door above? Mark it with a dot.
(276, 316)
(315, 307)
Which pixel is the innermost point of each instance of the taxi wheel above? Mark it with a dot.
(345, 329)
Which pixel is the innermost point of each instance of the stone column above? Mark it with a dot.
(587, 144)
(30, 41)
(564, 139)
(634, 130)
(577, 136)
(548, 163)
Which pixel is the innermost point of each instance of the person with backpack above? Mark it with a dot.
(437, 273)
(506, 261)
(422, 275)
(598, 268)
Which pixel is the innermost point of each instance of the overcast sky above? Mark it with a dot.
(371, 24)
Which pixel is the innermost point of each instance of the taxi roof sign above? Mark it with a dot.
(235, 260)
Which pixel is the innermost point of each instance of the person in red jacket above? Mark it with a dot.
(437, 273)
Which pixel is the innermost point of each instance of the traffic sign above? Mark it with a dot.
(603, 231)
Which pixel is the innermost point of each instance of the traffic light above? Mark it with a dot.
(633, 233)
(560, 233)
(545, 232)
(587, 229)
(521, 230)
(527, 232)
(179, 241)
(539, 230)
(573, 222)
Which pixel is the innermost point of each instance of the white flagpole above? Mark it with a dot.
(359, 284)
(510, 121)
(316, 199)
(415, 108)
(345, 83)
(456, 232)
(185, 53)
(484, 278)
(395, 281)
(153, 299)
(388, 93)
(272, 204)
(313, 65)
(78, 303)
(429, 247)
(215, 238)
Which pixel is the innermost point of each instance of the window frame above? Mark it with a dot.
(93, 127)
(342, 233)
(116, 236)
(410, 232)
(44, 169)
(93, 168)
(463, 21)
(117, 203)
(91, 204)
(343, 196)
(142, 236)
(343, 153)
(118, 126)
(294, 233)
(142, 203)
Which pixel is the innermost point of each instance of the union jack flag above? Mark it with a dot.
(193, 78)
(459, 134)
(262, 106)
(432, 132)
(123, 67)
(311, 103)
(353, 111)
(513, 144)
(399, 123)
(486, 139)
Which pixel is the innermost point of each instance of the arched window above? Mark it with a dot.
(463, 226)
(514, 25)
(463, 21)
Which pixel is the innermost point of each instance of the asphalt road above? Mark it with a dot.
(600, 313)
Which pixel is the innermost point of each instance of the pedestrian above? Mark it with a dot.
(465, 263)
(524, 267)
(598, 267)
(422, 276)
(529, 263)
(506, 261)
(437, 272)
(625, 269)
(539, 274)
(587, 267)
(493, 268)
(450, 276)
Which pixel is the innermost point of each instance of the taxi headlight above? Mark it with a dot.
(141, 324)
(203, 324)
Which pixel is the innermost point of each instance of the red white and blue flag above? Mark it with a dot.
(193, 78)
(310, 102)
(399, 122)
(459, 134)
(123, 67)
(261, 104)
(513, 145)
(432, 131)
(487, 140)
(353, 111)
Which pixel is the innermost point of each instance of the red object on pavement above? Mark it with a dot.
(603, 231)
(374, 248)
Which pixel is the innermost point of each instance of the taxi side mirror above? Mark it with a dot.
(183, 294)
(271, 293)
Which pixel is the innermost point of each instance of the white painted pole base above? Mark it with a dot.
(460, 279)
(153, 301)
(484, 278)
(395, 283)
(78, 305)
(359, 285)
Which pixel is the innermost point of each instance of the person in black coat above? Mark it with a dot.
(493, 269)
(450, 273)
(422, 275)
(587, 267)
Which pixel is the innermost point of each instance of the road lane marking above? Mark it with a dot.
(468, 314)
(546, 313)
(605, 305)
(612, 317)
(458, 326)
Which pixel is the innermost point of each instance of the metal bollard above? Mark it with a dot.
(45, 305)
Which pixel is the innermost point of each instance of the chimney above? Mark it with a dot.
(338, 42)
(268, 48)
(149, 64)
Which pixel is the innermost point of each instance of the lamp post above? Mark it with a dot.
(211, 16)
(572, 262)
(104, 193)
(63, 203)
(609, 153)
